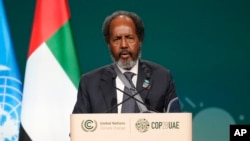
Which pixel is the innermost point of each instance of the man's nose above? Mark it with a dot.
(124, 43)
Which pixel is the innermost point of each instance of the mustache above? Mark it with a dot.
(124, 51)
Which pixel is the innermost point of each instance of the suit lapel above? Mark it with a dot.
(108, 90)
(140, 79)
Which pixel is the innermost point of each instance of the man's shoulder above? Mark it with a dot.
(155, 66)
(157, 70)
(99, 71)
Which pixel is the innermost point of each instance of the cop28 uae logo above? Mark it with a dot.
(89, 125)
(142, 125)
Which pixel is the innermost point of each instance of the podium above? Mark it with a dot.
(131, 127)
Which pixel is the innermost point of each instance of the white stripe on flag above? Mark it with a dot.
(48, 98)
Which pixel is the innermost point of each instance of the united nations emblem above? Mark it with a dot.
(89, 125)
(142, 125)
(10, 103)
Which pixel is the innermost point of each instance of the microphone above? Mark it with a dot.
(132, 96)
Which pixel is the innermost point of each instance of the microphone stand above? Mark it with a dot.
(132, 96)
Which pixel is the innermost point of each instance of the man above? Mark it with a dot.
(102, 90)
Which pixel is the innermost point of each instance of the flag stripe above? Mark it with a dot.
(49, 97)
(50, 15)
(62, 46)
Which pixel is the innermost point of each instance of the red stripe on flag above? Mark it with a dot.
(49, 16)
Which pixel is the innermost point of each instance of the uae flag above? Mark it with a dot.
(52, 74)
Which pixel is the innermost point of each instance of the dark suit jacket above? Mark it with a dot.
(97, 90)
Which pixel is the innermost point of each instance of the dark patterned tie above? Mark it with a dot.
(129, 105)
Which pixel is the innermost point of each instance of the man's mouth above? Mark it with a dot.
(125, 55)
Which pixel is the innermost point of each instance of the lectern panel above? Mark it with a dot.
(132, 127)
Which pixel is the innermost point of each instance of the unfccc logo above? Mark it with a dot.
(89, 125)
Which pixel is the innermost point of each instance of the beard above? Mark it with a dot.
(126, 64)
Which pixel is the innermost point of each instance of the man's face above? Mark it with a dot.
(124, 43)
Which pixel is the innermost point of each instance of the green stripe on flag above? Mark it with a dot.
(62, 46)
